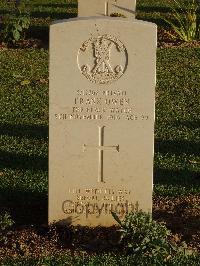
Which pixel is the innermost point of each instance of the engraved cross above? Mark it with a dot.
(101, 148)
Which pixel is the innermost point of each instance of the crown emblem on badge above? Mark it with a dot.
(102, 59)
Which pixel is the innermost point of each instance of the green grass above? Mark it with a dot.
(24, 133)
(102, 260)
(53, 9)
(24, 129)
(177, 136)
(43, 12)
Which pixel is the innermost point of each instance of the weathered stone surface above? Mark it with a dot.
(87, 8)
(102, 81)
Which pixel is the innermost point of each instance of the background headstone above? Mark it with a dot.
(88, 8)
(102, 82)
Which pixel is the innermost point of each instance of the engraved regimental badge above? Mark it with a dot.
(102, 59)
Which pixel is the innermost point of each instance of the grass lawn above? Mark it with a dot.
(103, 260)
(24, 136)
(24, 130)
(24, 122)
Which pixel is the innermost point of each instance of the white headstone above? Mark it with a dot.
(102, 81)
(88, 8)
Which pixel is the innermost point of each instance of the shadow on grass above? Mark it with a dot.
(180, 176)
(29, 131)
(67, 5)
(39, 32)
(158, 20)
(25, 207)
(189, 124)
(151, 9)
(53, 15)
(42, 31)
(176, 177)
(177, 147)
(22, 161)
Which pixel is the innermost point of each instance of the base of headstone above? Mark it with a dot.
(123, 8)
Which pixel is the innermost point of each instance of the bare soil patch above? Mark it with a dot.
(165, 40)
(181, 215)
